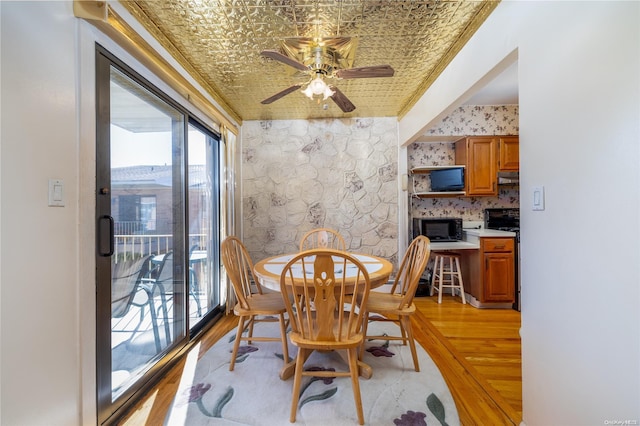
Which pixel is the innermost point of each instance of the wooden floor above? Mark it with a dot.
(477, 351)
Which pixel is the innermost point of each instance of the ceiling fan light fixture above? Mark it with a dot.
(318, 87)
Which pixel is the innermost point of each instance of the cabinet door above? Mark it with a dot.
(509, 149)
(481, 170)
(499, 277)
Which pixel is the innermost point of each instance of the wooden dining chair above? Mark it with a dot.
(397, 305)
(322, 238)
(252, 305)
(321, 300)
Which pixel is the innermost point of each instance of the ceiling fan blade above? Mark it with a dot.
(341, 100)
(281, 94)
(366, 72)
(274, 54)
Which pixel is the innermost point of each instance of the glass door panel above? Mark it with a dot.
(158, 174)
(141, 246)
(203, 225)
(145, 147)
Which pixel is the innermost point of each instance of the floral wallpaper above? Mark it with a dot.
(465, 121)
(303, 174)
(479, 120)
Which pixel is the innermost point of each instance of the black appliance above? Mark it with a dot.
(507, 219)
(447, 180)
(438, 230)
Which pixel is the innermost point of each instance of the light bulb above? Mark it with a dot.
(318, 87)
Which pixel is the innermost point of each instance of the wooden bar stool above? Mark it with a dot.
(447, 274)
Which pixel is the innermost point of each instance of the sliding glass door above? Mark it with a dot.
(157, 223)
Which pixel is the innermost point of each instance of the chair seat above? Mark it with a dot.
(385, 303)
(262, 304)
(298, 339)
(301, 342)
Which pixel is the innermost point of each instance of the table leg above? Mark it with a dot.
(364, 370)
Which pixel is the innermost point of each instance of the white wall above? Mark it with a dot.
(47, 280)
(579, 78)
(38, 281)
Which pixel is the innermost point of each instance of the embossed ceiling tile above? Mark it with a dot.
(221, 41)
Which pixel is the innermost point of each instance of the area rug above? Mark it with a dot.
(253, 393)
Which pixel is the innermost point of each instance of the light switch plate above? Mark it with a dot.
(538, 198)
(56, 193)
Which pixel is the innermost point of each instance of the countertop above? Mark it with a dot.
(480, 233)
(471, 239)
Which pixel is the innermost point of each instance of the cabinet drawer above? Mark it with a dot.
(497, 244)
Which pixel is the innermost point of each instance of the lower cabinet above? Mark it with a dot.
(489, 273)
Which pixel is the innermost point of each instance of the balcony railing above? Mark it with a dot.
(132, 246)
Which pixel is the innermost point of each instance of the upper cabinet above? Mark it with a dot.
(508, 154)
(478, 155)
(482, 157)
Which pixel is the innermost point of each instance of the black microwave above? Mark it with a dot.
(438, 230)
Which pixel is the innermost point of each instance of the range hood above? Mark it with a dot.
(508, 178)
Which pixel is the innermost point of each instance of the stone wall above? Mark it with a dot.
(302, 174)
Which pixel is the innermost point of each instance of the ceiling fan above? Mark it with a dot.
(318, 59)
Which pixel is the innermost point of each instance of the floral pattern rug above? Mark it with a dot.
(253, 394)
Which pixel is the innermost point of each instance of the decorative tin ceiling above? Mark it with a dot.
(220, 42)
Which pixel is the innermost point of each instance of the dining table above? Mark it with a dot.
(268, 272)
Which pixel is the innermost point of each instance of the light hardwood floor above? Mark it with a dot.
(477, 351)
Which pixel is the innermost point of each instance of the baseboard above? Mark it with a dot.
(478, 304)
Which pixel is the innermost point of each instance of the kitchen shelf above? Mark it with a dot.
(432, 194)
(429, 169)
(438, 194)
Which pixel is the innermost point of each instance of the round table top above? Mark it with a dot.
(268, 270)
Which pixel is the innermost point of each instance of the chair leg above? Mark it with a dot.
(195, 290)
(355, 382)
(283, 334)
(405, 322)
(402, 332)
(297, 380)
(252, 321)
(154, 324)
(165, 312)
(365, 325)
(236, 344)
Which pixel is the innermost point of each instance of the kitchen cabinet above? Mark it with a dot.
(489, 273)
(482, 158)
(478, 155)
(509, 154)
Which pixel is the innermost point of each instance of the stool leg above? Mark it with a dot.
(441, 277)
(461, 284)
(453, 261)
(434, 274)
(452, 276)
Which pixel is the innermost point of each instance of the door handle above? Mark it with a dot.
(105, 236)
